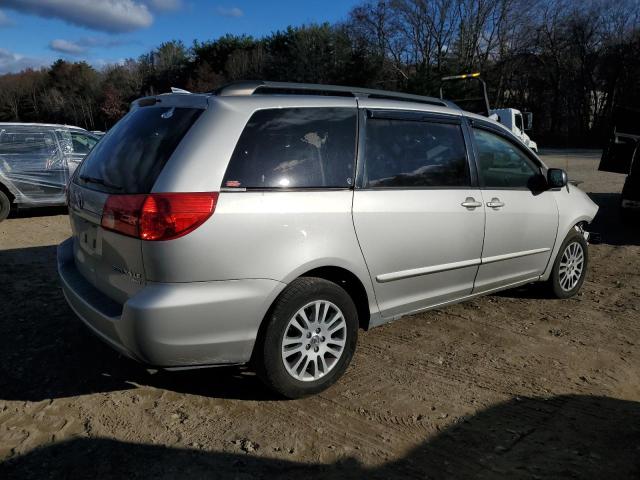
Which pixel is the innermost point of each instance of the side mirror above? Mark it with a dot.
(557, 178)
(528, 120)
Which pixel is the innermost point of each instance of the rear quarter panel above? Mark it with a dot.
(275, 235)
(264, 235)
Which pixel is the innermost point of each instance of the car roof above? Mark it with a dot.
(50, 125)
(252, 94)
(304, 92)
(290, 88)
(256, 92)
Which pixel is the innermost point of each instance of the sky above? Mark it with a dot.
(34, 33)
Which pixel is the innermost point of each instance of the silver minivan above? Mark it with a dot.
(265, 223)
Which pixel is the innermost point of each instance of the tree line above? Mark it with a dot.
(567, 61)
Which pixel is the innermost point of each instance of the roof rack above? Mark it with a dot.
(289, 88)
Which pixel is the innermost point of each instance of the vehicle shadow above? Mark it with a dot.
(38, 212)
(46, 352)
(569, 436)
(531, 291)
(609, 225)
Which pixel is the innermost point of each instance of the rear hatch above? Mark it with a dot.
(123, 167)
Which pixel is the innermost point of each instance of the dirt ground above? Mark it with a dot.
(513, 385)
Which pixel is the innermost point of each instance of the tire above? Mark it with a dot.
(5, 205)
(561, 284)
(286, 339)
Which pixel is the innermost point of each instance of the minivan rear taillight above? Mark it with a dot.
(158, 216)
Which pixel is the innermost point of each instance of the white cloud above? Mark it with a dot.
(106, 15)
(83, 45)
(4, 20)
(229, 12)
(105, 42)
(67, 46)
(14, 62)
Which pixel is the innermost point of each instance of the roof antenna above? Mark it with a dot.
(179, 90)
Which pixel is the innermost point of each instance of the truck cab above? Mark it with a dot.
(518, 123)
(469, 92)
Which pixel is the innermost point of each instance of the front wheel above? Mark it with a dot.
(309, 338)
(570, 267)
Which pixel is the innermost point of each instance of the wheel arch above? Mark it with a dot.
(341, 276)
(579, 224)
(4, 189)
(351, 284)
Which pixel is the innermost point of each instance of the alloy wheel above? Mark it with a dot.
(314, 340)
(571, 266)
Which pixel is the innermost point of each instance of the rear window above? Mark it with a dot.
(295, 148)
(131, 156)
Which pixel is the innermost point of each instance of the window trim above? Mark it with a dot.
(367, 114)
(283, 189)
(473, 123)
(415, 116)
(226, 189)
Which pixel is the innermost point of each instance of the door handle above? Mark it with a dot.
(471, 202)
(495, 203)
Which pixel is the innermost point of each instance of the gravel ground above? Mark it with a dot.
(513, 385)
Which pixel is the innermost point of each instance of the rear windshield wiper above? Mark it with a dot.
(99, 181)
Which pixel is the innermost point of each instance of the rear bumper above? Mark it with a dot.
(173, 324)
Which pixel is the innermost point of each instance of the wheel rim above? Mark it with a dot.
(314, 341)
(571, 266)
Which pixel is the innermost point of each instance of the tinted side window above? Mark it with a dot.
(82, 144)
(25, 142)
(501, 163)
(295, 147)
(403, 153)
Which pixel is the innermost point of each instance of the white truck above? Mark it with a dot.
(518, 122)
(473, 100)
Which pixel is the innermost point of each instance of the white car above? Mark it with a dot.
(36, 162)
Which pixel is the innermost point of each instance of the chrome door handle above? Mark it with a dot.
(495, 203)
(470, 202)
